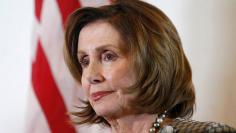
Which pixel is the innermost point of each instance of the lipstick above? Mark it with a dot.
(99, 94)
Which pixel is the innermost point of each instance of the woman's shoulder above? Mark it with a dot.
(180, 125)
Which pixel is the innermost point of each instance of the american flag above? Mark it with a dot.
(53, 91)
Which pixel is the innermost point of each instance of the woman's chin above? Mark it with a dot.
(105, 110)
(109, 106)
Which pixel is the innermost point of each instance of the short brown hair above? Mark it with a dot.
(164, 77)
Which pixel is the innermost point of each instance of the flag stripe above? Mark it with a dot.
(48, 95)
(38, 8)
(36, 122)
(52, 85)
(71, 5)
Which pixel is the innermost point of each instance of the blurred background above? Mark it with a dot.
(16, 19)
(208, 32)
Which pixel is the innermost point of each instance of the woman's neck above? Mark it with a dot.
(132, 123)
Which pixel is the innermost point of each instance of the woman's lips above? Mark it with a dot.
(100, 94)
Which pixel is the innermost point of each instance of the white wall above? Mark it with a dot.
(208, 32)
(15, 31)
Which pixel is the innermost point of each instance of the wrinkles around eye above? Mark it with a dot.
(109, 56)
(106, 56)
(84, 61)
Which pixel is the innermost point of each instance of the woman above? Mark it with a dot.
(129, 59)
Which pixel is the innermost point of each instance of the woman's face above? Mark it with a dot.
(106, 69)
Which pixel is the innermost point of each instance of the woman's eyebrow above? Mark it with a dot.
(101, 48)
(80, 52)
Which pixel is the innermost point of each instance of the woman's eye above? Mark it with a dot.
(109, 57)
(84, 62)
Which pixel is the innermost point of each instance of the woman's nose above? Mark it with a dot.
(98, 78)
(94, 73)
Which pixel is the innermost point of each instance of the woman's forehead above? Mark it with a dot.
(98, 34)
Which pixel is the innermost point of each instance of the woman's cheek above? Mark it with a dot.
(120, 79)
(85, 85)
